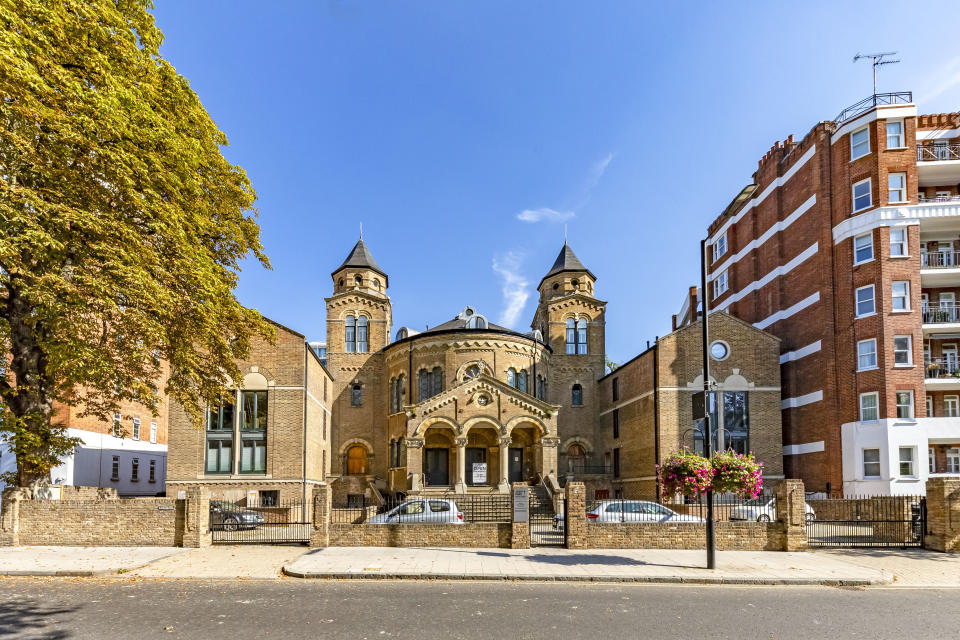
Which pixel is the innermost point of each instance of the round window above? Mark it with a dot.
(556, 286)
(472, 372)
(482, 400)
(719, 350)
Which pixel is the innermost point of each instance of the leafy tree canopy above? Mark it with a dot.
(122, 226)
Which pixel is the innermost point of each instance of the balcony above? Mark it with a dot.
(940, 259)
(945, 317)
(938, 152)
(876, 100)
(940, 268)
(942, 374)
(938, 163)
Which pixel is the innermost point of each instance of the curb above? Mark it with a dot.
(703, 580)
(87, 573)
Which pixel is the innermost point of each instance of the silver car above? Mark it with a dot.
(611, 511)
(764, 509)
(421, 511)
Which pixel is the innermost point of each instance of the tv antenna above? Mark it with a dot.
(878, 60)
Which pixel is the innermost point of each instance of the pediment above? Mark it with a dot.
(469, 392)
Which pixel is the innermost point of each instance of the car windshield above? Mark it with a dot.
(220, 504)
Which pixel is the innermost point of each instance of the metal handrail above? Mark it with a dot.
(938, 152)
(924, 199)
(941, 368)
(941, 314)
(877, 99)
(940, 259)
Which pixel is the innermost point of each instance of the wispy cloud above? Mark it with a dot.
(946, 78)
(596, 172)
(514, 287)
(544, 213)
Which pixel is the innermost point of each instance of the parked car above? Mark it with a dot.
(421, 511)
(607, 511)
(225, 516)
(763, 509)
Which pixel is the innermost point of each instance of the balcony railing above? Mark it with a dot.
(940, 259)
(938, 152)
(879, 99)
(922, 199)
(942, 314)
(942, 368)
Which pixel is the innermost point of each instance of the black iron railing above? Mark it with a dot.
(942, 368)
(868, 521)
(431, 509)
(876, 100)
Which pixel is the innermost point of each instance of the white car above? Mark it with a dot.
(421, 511)
(611, 511)
(764, 509)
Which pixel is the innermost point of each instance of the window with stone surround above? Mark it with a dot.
(153, 471)
(576, 336)
(136, 428)
(736, 421)
(362, 334)
(153, 432)
(350, 334)
(253, 432)
(135, 470)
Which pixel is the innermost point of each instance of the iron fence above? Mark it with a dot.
(644, 509)
(869, 521)
(430, 509)
(278, 522)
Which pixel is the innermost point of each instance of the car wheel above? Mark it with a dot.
(763, 518)
(810, 517)
(230, 524)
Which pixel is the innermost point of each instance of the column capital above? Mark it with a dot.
(461, 442)
(413, 443)
(506, 441)
(550, 442)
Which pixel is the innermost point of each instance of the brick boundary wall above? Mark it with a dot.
(943, 515)
(160, 522)
(479, 535)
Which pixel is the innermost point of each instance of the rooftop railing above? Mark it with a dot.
(938, 152)
(876, 100)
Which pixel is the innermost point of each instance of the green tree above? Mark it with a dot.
(612, 366)
(122, 226)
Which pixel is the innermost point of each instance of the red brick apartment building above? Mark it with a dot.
(846, 246)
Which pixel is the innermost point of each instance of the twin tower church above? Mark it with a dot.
(466, 406)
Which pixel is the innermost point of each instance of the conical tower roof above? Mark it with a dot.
(567, 260)
(360, 258)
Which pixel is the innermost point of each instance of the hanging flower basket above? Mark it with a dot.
(685, 473)
(738, 474)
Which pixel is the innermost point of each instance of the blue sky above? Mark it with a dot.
(465, 135)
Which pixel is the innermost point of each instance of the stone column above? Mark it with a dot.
(322, 501)
(504, 485)
(791, 513)
(414, 448)
(548, 454)
(10, 516)
(576, 515)
(196, 520)
(943, 514)
(461, 486)
(520, 531)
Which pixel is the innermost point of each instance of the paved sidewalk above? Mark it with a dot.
(613, 565)
(254, 562)
(77, 561)
(910, 567)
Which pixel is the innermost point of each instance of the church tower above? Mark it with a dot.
(573, 323)
(358, 327)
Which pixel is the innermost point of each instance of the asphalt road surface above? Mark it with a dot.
(288, 609)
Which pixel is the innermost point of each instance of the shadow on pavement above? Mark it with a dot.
(27, 619)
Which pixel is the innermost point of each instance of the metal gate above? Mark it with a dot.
(878, 521)
(547, 528)
(280, 522)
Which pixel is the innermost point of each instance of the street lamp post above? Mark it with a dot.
(707, 433)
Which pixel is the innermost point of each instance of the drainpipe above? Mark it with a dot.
(656, 408)
(306, 388)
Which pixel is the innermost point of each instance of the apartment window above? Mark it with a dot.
(616, 462)
(153, 432)
(901, 295)
(867, 354)
(862, 195)
(931, 460)
(951, 406)
(136, 428)
(616, 423)
(895, 137)
(896, 187)
(906, 462)
(153, 471)
(871, 463)
(953, 460)
(117, 426)
(616, 389)
(576, 396)
(719, 247)
(863, 248)
(253, 432)
(220, 439)
(859, 143)
(350, 334)
(115, 468)
(869, 407)
(903, 350)
(135, 470)
(904, 404)
(865, 302)
(898, 241)
(720, 285)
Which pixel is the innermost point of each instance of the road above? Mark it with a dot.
(289, 609)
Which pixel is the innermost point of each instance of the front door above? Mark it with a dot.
(516, 464)
(476, 468)
(438, 467)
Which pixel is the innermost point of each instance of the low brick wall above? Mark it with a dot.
(475, 535)
(149, 522)
(730, 536)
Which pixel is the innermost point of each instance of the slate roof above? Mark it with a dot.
(360, 258)
(567, 260)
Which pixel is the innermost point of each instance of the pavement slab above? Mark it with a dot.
(910, 567)
(254, 562)
(613, 565)
(78, 561)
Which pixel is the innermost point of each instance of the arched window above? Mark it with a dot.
(512, 377)
(362, 334)
(576, 458)
(522, 381)
(356, 460)
(424, 384)
(576, 396)
(376, 284)
(471, 372)
(477, 322)
(393, 454)
(437, 380)
(571, 336)
(359, 281)
(393, 396)
(356, 395)
(582, 336)
(541, 388)
(400, 392)
(350, 334)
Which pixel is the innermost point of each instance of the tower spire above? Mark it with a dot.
(361, 231)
